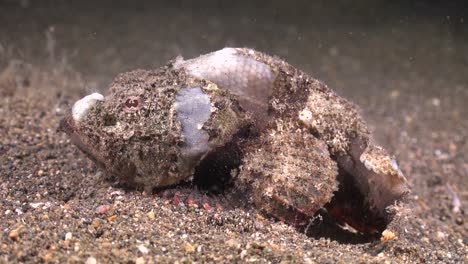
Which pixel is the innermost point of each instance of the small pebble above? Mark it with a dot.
(111, 218)
(95, 223)
(274, 246)
(387, 235)
(151, 215)
(36, 205)
(91, 260)
(14, 235)
(243, 254)
(189, 248)
(103, 209)
(233, 243)
(394, 94)
(68, 236)
(140, 260)
(47, 257)
(440, 235)
(143, 249)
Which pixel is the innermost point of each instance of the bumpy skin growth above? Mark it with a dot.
(283, 137)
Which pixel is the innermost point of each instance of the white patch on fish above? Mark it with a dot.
(81, 107)
(194, 109)
(251, 80)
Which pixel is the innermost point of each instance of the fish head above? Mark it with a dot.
(133, 132)
(152, 128)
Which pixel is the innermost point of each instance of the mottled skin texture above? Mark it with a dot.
(143, 147)
(285, 139)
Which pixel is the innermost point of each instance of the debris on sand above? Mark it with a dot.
(456, 203)
(387, 235)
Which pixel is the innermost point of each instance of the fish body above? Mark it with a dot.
(284, 138)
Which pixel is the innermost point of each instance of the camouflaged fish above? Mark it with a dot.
(284, 138)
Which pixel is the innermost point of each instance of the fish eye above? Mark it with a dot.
(132, 104)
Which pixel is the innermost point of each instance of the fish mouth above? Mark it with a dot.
(68, 125)
(121, 168)
(71, 125)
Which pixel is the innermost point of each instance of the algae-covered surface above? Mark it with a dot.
(404, 64)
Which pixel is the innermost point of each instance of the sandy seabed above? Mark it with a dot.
(406, 72)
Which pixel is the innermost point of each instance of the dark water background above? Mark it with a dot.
(103, 38)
